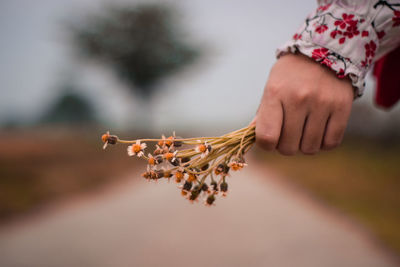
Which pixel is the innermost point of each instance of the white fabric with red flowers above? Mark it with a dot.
(348, 36)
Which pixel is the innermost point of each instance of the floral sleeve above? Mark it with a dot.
(348, 36)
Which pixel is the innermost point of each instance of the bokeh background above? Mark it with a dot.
(71, 70)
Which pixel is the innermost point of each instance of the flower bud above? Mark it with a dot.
(187, 186)
(210, 199)
(224, 186)
(204, 187)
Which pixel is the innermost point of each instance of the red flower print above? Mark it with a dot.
(321, 28)
(349, 19)
(381, 34)
(320, 53)
(341, 40)
(323, 8)
(341, 74)
(351, 31)
(370, 49)
(296, 36)
(340, 23)
(364, 63)
(364, 33)
(346, 20)
(396, 18)
(326, 62)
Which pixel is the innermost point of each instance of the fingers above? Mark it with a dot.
(335, 128)
(305, 107)
(269, 123)
(293, 123)
(313, 132)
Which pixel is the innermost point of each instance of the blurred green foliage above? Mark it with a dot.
(70, 108)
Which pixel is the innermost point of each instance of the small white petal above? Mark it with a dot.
(130, 152)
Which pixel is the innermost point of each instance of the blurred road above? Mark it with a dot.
(261, 223)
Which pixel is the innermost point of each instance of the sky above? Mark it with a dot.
(222, 91)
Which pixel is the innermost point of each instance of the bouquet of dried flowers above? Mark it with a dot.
(199, 165)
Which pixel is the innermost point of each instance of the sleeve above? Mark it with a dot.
(348, 36)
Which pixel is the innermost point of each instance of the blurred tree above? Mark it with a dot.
(70, 108)
(142, 44)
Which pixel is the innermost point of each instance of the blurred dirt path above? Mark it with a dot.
(261, 223)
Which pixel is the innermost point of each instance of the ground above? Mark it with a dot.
(262, 222)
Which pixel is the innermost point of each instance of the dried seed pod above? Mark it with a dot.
(226, 169)
(196, 188)
(221, 169)
(214, 185)
(109, 139)
(153, 175)
(185, 159)
(224, 186)
(210, 200)
(146, 175)
(195, 193)
(187, 186)
(112, 140)
(204, 187)
(159, 174)
(167, 174)
(178, 143)
(205, 167)
(174, 161)
(158, 159)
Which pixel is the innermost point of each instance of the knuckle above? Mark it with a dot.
(273, 89)
(302, 96)
(266, 141)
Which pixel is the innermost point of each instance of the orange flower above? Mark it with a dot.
(166, 141)
(191, 177)
(237, 164)
(109, 139)
(204, 149)
(136, 149)
(151, 160)
(179, 175)
(171, 157)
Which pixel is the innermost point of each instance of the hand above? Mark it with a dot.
(304, 107)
